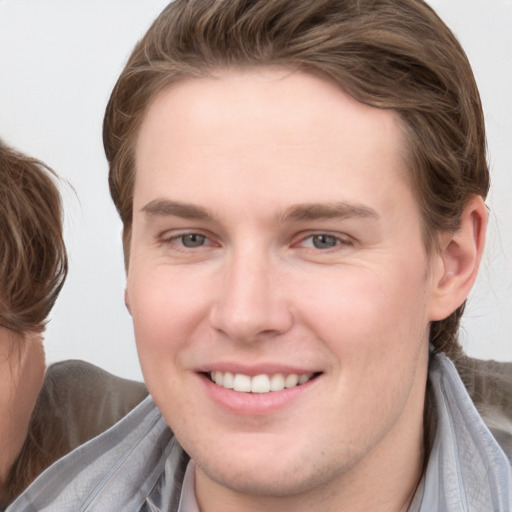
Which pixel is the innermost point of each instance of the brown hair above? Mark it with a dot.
(392, 54)
(33, 261)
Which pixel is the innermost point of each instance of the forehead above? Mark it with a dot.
(267, 127)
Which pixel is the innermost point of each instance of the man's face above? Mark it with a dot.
(276, 239)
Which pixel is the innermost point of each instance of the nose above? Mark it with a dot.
(251, 302)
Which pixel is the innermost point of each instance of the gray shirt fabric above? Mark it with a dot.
(138, 466)
(467, 470)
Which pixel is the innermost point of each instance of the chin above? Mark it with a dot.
(266, 482)
(268, 472)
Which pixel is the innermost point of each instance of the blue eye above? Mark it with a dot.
(324, 241)
(192, 240)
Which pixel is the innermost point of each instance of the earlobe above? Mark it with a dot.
(459, 255)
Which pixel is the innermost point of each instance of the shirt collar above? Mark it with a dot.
(467, 470)
(188, 502)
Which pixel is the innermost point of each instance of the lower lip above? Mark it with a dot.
(255, 404)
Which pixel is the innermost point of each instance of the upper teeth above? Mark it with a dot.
(260, 383)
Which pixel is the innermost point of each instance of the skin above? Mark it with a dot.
(22, 367)
(343, 289)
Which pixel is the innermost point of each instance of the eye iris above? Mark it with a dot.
(193, 240)
(324, 241)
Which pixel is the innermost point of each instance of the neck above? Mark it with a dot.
(22, 367)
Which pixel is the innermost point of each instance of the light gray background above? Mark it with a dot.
(58, 62)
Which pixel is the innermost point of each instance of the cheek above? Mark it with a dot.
(161, 299)
(367, 291)
(374, 324)
(366, 314)
(167, 309)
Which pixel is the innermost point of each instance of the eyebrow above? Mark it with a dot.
(299, 212)
(165, 207)
(335, 210)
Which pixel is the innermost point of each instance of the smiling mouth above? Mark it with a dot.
(259, 383)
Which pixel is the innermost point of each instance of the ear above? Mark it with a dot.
(127, 300)
(456, 263)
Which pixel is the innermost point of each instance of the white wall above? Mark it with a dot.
(58, 62)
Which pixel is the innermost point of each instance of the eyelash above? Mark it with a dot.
(179, 238)
(339, 241)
